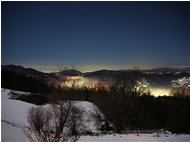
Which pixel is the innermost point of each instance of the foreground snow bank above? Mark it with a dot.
(14, 111)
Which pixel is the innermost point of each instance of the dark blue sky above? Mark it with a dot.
(95, 35)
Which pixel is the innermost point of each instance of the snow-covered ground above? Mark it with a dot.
(12, 111)
(135, 138)
(15, 111)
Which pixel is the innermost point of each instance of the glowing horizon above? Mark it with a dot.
(91, 68)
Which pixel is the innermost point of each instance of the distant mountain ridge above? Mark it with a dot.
(30, 71)
(21, 70)
(15, 77)
(28, 79)
(73, 72)
(182, 69)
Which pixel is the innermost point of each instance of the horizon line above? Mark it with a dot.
(43, 68)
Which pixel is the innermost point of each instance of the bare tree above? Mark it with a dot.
(60, 122)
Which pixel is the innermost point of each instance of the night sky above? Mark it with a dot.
(95, 35)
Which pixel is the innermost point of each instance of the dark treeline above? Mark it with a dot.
(20, 82)
(146, 112)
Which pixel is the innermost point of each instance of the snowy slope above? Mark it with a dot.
(12, 111)
(15, 111)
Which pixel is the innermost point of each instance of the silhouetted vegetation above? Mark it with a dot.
(34, 98)
(130, 109)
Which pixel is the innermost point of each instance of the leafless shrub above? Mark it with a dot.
(58, 122)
